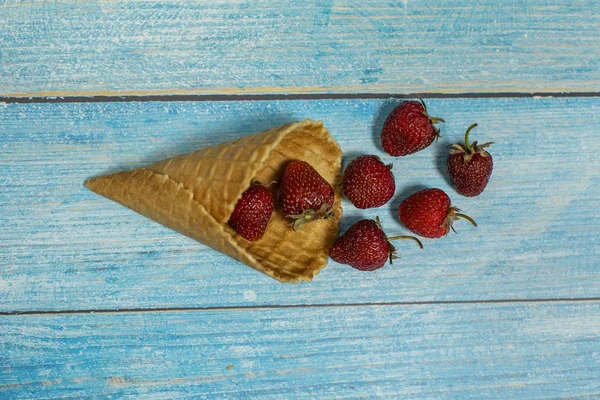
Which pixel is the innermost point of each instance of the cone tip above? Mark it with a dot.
(91, 183)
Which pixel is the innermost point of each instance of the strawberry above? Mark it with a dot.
(470, 166)
(365, 246)
(252, 212)
(409, 129)
(304, 195)
(368, 182)
(428, 213)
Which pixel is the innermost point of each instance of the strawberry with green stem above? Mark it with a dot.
(365, 246)
(429, 213)
(409, 129)
(304, 195)
(470, 166)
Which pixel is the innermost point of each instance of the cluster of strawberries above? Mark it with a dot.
(305, 196)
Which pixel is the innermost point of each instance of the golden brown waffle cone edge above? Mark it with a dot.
(195, 194)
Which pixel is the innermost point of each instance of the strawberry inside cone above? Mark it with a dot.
(304, 195)
(252, 212)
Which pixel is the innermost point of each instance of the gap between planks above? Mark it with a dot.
(331, 305)
(297, 96)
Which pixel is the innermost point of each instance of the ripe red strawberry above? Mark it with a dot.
(470, 166)
(252, 212)
(304, 195)
(429, 213)
(365, 246)
(368, 182)
(409, 129)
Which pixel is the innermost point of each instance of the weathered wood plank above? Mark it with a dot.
(63, 247)
(105, 47)
(501, 351)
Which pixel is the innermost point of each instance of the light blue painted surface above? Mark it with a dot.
(469, 351)
(196, 47)
(63, 247)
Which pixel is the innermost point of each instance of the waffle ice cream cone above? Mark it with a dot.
(195, 194)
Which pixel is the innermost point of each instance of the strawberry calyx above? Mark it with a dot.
(433, 120)
(454, 214)
(324, 212)
(391, 248)
(469, 150)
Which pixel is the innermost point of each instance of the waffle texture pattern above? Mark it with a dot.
(194, 194)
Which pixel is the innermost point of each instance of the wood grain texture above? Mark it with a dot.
(62, 247)
(107, 47)
(510, 351)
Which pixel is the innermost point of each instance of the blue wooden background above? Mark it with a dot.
(99, 302)
(64, 48)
